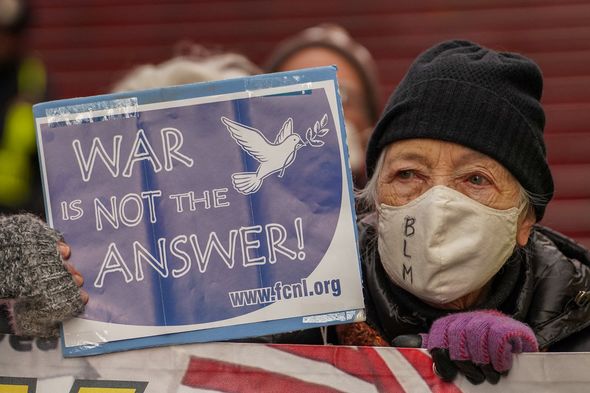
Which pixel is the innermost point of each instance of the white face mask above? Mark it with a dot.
(444, 245)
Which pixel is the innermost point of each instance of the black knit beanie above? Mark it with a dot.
(458, 91)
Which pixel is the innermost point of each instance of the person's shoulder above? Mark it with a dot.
(551, 245)
(559, 311)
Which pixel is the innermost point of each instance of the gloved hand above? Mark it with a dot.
(40, 288)
(479, 344)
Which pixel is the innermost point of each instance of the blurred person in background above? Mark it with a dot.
(193, 64)
(22, 84)
(329, 44)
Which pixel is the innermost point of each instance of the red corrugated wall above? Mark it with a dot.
(87, 45)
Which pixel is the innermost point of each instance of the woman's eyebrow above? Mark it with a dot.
(409, 156)
(469, 157)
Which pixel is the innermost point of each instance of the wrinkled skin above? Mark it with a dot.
(413, 166)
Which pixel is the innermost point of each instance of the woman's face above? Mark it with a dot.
(413, 166)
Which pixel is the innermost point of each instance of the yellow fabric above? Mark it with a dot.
(19, 128)
(32, 79)
(105, 390)
(14, 388)
(16, 148)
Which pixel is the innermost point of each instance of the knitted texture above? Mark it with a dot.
(359, 334)
(32, 274)
(482, 337)
(460, 92)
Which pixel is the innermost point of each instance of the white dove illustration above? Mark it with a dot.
(273, 157)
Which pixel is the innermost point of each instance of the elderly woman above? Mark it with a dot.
(458, 177)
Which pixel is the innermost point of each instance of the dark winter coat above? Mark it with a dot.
(546, 285)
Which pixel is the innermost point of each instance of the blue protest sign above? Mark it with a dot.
(204, 212)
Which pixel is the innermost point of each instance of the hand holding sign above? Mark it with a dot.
(34, 277)
(480, 344)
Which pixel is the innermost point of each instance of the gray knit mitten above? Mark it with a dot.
(33, 276)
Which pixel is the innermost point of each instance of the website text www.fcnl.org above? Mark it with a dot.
(280, 291)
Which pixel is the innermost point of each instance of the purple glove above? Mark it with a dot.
(482, 337)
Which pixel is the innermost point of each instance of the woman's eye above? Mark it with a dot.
(478, 180)
(406, 174)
